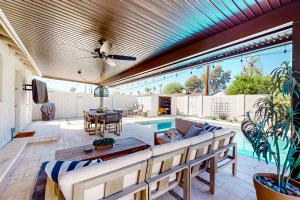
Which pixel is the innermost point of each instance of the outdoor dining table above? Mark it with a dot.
(99, 116)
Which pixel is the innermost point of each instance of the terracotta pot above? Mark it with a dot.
(103, 147)
(265, 193)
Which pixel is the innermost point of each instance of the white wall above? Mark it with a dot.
(147, 102)
(233, 106)
(195, 105)
(9, 64)
(182, 105)
(71, 105)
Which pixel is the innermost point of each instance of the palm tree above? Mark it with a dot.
(160, 88)
(251, 67)
(154, 89)
(147, 90)
(139, 93)
(72, 89)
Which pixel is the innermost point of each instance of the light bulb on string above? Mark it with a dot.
(242, 64)
(285, 51)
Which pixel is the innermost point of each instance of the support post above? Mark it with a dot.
(206, 90)
(296, 67)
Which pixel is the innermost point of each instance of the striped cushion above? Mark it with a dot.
(56, 168)
(210, 128)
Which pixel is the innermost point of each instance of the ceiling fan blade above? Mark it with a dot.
(106, 47)
(120, 57)
(110, 62)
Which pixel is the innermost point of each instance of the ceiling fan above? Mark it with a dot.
(103, 53)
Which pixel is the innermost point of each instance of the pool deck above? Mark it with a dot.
(18, 181)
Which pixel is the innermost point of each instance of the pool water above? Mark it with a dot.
(244, 147)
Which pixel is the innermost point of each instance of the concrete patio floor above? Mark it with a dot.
(18, 182)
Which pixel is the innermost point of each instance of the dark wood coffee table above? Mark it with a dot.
(120, 148)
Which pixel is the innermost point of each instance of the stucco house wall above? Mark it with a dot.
(13, 74)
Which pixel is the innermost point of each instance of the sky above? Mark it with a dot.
(268, 60)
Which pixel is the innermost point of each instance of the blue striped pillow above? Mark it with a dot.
(56, 168)
(210, 128)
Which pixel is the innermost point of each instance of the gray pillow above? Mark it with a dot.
(193, 131)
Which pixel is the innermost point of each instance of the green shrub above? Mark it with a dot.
(103, 142)
(223, 116)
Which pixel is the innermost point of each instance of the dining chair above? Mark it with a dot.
(89, 123)
(112, 122)
(120, 116)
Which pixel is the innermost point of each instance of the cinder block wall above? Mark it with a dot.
(234, 106)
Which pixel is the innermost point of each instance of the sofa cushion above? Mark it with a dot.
(57, 168)
(184, 125)
(169, 147)
(208, 127)
(67, 180)
(165, 138)
(200, 138)
(193, 131)
(221, 132)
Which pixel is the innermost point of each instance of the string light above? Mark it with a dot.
(184, 71)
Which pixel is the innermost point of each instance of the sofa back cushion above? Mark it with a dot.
(56, 168)
(169, 147)
(68, 181)
(208, 127)
(193, 131)
(184, 125)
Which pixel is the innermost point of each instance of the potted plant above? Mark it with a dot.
(269, 128)
(105, 143)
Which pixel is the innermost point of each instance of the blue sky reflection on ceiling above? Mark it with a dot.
(200, 15)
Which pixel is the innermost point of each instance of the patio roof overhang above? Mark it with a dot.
(10, 37)
(164, 36)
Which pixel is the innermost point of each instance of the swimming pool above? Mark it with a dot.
(244, 147)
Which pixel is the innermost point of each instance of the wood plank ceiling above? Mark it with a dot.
(54, 31)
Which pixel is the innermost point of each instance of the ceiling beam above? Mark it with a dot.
(25, 61)
(8, 41)
(16, 49)
(21, 56)
(259, 24)
(3, 32)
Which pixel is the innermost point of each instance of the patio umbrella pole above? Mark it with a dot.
(101, 102)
